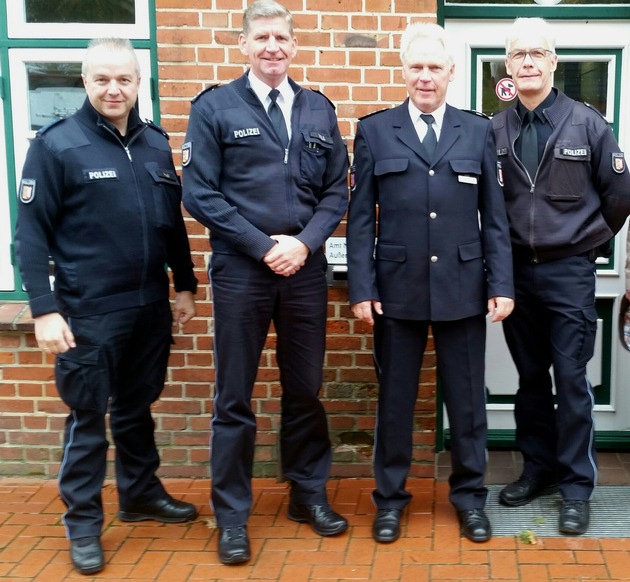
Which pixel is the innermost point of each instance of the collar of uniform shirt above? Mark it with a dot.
(284, 101)
(421, 126)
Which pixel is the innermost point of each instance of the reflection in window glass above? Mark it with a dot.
(584, 81)
(580, 80)
(92, 11)
(55, 90)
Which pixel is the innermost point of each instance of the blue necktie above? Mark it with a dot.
(529, 145)
(430, 140)
(277, 119)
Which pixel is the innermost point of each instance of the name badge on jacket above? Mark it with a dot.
(467, 179)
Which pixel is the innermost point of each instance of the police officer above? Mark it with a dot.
(265, 169)
(99, 194)
(567, 191)
(442, 260)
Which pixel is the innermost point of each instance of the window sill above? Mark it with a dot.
(16, 316)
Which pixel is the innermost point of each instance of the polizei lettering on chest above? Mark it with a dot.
(104, 174)
(574, 152)
(246, 132)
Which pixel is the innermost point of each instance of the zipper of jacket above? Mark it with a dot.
(531, 194)
(145, 237)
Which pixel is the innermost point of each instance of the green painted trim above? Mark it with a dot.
(510, 12)
(17, 293)
(505, 439)
(155, 84)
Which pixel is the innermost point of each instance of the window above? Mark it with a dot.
(59, 19)
(41, 54)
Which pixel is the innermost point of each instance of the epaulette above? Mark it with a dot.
(373, 113)
(209, 88)
(479, 113)
(324, 96)
(593, 108)
(155, 126)
(49, 125)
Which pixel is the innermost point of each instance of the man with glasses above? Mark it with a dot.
(567, 191)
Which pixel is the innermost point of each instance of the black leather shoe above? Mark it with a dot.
(166, 510)
(475, 525)
(234, 545)
(524, 490)
(386, 526)
(574, 517)
(87, 555)
(322, 518)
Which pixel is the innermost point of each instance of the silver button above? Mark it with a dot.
(434, 259)
(433, 215)
(431, 172)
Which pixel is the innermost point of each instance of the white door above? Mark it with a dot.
(593, 67)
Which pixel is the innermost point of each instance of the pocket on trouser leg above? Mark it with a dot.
(590, 327)
(80, 380)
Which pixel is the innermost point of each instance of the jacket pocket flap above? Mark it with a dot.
(471, 251)
(390, 166)
(466, 166)
(164, 176)
(397, 253)
(319, 138)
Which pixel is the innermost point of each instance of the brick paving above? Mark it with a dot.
(33, 545)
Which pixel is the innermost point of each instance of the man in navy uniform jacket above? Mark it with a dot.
(441, 259)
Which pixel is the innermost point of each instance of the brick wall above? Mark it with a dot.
(348, 49)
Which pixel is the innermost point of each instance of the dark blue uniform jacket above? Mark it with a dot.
(107, 212)
(580, 197)
(247, 187)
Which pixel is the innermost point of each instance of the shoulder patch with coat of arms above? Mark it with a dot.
(27, 191)
(186, 153)
(618, 162)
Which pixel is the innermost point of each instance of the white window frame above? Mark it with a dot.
(7, 279)
(18, 59)
(17, 26)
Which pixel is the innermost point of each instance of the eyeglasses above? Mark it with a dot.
(537, 54)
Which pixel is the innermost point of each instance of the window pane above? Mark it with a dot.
(92, 11)
(55, 90)
(580, 80)
(584, 81)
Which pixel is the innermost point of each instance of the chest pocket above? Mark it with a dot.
(317, 147)
(570, 170)
(393, 166)
(470, 168)
(165, 196)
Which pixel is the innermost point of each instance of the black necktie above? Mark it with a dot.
(277, 119)
(529, 145)
(430, 140)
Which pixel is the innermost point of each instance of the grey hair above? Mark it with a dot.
(424, 31)
(111, 44)
(266, 9)
(524, 27)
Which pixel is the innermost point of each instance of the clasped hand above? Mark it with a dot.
(287, 256)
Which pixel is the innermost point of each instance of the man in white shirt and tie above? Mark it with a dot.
(271, 186)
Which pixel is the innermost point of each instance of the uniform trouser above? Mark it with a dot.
(121, 357)
(247, 297)
(554, 324)
(460, 349)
